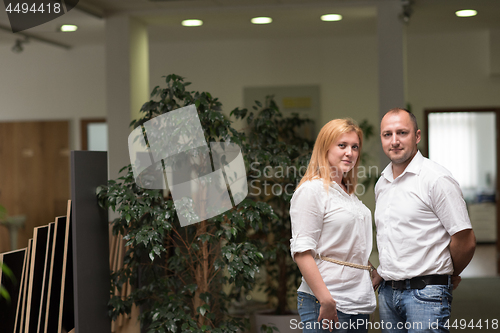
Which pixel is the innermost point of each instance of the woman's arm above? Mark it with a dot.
(311, 274)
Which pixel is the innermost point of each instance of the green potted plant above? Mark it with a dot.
(8, 274)
(367, 178)
(178, 273)
(4, 269)
(278, 154)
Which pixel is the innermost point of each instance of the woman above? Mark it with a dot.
(332, 235)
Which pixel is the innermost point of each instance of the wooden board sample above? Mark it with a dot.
(46, 278)
(23, 296)
(55, 276)
(39, 252)
(67, 306)
(15, 261)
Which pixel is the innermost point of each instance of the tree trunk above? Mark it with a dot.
(201, 274)
(282, 284)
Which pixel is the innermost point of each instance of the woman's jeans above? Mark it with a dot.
(415, 310)
(308, 307)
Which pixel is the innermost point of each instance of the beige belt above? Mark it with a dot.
(345, 263)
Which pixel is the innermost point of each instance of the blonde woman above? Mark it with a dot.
(332, 235)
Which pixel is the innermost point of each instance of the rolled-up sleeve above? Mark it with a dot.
(307, 209)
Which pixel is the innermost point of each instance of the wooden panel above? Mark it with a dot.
(20, 302)
(14, 260)
(8, 178)
(46, 278)
(39, 252)
(23, 302)
(67, 306)
(55, 276)
(34, 173)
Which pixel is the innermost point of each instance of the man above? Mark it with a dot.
(424, 234)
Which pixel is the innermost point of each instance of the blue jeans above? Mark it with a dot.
(308, 307)
(415, 310)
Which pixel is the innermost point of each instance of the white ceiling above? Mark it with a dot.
(230, 19)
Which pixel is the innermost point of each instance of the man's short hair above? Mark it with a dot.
(412, 116)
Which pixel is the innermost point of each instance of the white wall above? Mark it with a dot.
(344, 68)
(49, 83)
(450, 70)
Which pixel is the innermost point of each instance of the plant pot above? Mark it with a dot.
(288, 323)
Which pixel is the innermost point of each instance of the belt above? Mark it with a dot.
(345, 263)
(419, 282)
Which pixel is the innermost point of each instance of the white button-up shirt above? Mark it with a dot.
(416, 214)
(336, 225)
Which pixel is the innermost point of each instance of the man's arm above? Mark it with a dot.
(449, 206)
(462, 247)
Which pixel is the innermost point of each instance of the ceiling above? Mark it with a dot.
(230, 19)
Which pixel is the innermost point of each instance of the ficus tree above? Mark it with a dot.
(278, 151)
(179, 273)
(3, 268)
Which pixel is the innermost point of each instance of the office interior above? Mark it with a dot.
(382, 54)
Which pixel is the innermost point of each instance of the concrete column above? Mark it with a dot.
(391, 60)
(127, 84)
(139, 67)
(494, 51)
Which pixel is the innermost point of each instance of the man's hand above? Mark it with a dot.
(376, 280)
(455, 281)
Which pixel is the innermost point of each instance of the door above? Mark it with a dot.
(465, 141)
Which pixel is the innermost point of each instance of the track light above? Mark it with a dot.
(18, 45)
(407, 10)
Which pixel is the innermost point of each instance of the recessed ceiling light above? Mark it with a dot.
(192, 23)
(466, 13)
(331, 17)
(68, 28)
(261, 20)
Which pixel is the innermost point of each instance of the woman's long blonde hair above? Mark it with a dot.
(319, 167)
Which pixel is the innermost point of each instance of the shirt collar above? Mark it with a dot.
(414, 167)
(339, 188)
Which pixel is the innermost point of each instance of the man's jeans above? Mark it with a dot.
(415, 310)
(308, 307)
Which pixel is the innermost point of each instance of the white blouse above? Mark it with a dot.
(337, 225)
